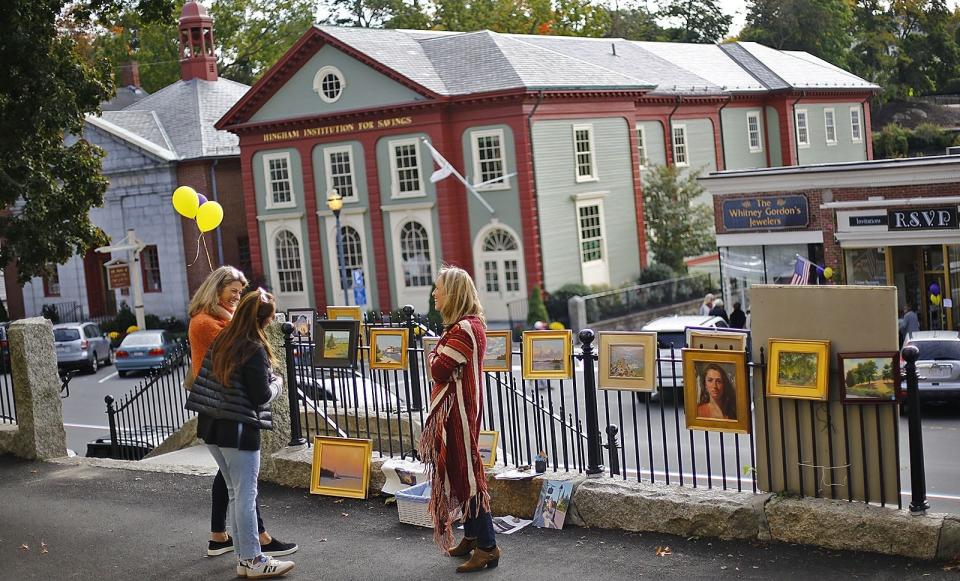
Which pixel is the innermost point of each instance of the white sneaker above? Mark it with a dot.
(263, 567)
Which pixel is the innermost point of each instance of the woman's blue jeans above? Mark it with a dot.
(240, 469)
(480, 527)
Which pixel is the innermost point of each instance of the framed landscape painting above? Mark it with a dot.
(341, 466)
(429, 344)
(388, 348)
(870, 377)
(547, 354)
(302, 321)
(336, 344)
(715, 392)
(627, 360)
(799, 369)
(337, 313)
(499, 353)
(487, 442)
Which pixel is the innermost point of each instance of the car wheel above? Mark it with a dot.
(122, 373)
(94, 364)
(108, 360)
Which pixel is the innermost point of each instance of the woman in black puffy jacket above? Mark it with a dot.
(232, 395)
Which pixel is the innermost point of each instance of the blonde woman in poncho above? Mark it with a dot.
(448, 444)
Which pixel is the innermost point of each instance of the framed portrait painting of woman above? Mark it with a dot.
(715, 394)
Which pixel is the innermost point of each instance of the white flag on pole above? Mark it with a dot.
(445, 168)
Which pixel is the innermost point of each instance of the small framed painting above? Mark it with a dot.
(429, 344)
(499, 353)
(870, 377)
(302, 321)
(715, 394)
(487, 442)
(547, 354)
(720, 338)
(627, 360)
(336, 344)
(341, 466)
(799, 369)
(337, 313)
(388, 348)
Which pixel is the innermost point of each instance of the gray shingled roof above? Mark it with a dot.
(142, 123)
(752, 65)
(187, 111)
(708, 61)
(802, 70)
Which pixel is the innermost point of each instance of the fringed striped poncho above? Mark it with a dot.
(448, 444)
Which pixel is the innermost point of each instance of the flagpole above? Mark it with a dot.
(454, 171)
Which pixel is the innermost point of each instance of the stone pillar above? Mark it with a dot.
(36, 390)
(278, 438)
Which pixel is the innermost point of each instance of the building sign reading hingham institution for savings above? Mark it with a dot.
(338, 128)
(766, 213)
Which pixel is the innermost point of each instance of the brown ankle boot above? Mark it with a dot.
(463, 549)
(481, 559)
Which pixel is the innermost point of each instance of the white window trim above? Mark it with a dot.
(394, 175)
(397, 220)
(318, 82)
(328, 170)
(271, 228)
(593, 155)
(495, 302)
(475, 136)
(686, 145)
(356, 221)
(759, 146)
(268, 190)
(597, 201)
(806, 125)
(859, 114)
(826, 132)
(643, 160)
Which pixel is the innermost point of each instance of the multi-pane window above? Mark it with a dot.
(753, 132)
(680, 145)
(803, 134)
(340, 171)
(279, 187)
(583, 151)
(150, 268)
(51, 282)
(352, 252)
(406, 168)
(511, 276)
(329, 84)
(829, 123)
(490, 276)
(415, 254)
(856, 128)
(641, 146)
(243, 254)
(488, 153)
(591, 233)
(289, 268)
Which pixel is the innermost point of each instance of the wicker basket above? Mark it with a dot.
(412, 505)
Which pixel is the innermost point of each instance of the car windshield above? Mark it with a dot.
(141, 340)
(938, 350)
(66, 334)
(676, 340)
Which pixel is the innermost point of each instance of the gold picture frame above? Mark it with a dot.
(487, 443)
(499, 352)
(337, 313)
(627, 360)
(717, 340)
(341, 466)
(799, 369)
(547, 354)
(715, 391)
(388, 348)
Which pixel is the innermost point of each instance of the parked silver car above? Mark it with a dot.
(938, 364)
(671, 334)
(81, 345)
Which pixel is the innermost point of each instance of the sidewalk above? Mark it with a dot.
(107, 523)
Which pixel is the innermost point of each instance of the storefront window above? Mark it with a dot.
(954, 257)
(780, 261)
(741, 266)
(866, 266)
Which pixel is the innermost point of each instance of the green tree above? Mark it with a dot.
(634, 22)
(677, 226)
(820, 27)
(536, 310)
(927, 52)
(870, 56)
(699, 21)
(890, 142)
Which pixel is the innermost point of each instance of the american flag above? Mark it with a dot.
(801, 272)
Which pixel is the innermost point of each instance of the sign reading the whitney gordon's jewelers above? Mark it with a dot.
(766, 213)
(923, 219)
(338, 128)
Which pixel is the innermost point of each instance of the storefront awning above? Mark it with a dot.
(876, 239)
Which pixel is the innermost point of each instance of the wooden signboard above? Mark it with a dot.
(118, 276)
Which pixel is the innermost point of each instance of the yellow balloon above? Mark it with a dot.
(209, 216)
(186, 201)
(828, 273)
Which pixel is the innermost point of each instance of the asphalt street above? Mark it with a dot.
(83, 522)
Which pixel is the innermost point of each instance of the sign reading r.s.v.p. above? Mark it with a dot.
(923, 219)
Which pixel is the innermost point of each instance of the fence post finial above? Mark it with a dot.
(412, 328)
(594, 467)
(918, 478)
(296, 437)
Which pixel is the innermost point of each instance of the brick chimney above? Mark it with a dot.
(198, 59)
(130, 75)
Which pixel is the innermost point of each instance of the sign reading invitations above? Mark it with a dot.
(553, 504)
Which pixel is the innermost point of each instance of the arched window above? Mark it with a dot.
(415, 255)
(501, 270)
(289, 271)
(352, 253)
(499, 240)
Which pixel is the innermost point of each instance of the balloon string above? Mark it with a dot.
(207, 252)
(195, 258)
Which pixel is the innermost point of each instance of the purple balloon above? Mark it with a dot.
(203, 199)
(934, 289)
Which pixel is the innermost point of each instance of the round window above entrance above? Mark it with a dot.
(329, 84)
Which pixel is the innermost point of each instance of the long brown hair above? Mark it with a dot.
(244, 334)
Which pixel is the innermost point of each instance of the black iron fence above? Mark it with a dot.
(8, 407)
(149, 413)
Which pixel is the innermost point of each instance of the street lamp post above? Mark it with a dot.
(335, 203)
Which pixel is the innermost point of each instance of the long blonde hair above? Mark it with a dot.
(207, 297)
(461, 295)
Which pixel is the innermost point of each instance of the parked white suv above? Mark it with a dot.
(671, 338)
(81, 345)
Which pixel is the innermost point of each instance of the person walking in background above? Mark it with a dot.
(706, 305)
(738, 319)
(911, 322)
(448, 444)
(210, 310)
(719, 311)
(232, 395)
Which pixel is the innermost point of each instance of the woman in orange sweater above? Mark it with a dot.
(210, 310)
